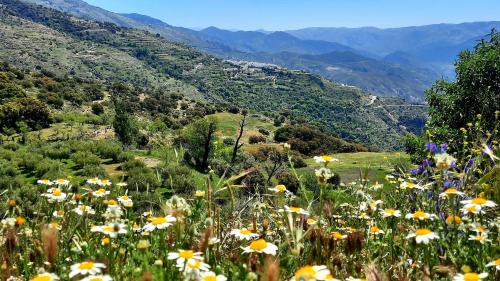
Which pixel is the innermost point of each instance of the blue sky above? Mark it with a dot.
(293, 14)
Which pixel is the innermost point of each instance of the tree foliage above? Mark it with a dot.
(476, 91)
(125, 128)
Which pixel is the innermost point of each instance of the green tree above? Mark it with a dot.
(476, 91)
(125, 128)
(198, 139)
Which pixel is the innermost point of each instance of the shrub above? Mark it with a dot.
(256, 139)
(48, 168)
(179, 178)
(97, 108)
(264, 132)
(84, 158)
(93, 171)
(109, 149)
(228, 141)
(142, 179)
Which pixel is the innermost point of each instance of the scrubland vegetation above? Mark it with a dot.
(105, 180)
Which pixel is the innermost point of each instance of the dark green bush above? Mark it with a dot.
(84, 158)
(179, 178)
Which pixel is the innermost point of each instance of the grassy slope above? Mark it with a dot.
(109, 53)
(352, 165)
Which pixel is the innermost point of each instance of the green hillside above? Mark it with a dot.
(70, 46)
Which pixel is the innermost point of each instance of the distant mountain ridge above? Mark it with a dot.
(399, 61)
(435, 45)
(39, 38)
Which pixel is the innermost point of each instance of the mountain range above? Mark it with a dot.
(400, 62)
(44, 39)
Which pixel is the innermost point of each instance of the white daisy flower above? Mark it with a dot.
(479, 202)
(45, 277)
(470, 276)
(211, 276)
(375, 231)
(315, 272)
(495, 263)
(54, 225)
(325, 159)
(104, 182)
(338, 236)
(159, 223)
(389, 213)
(84, 210)
(55, 195)
(126, 201)
(112, 230)
(244, 234)
(193, 266)
(61, 182)
(261, 246)
(101, 192)
(423, 235)
(377, 186)
(58, 213)
(279, 189)
(93, 181)
(420, 215)
(184, 255)
(481, 238)
(450, 192)
(97, 278)
(87, 267)
(45, 182)
(296, 210)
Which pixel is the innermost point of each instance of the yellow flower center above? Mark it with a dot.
(157, 221)
(419, 215)
(42, 278)
(390, 211)
(294, 209)
(305, 273)
(471, 209)
(56, 192)
(471, 277)
(478, 201)
(245, 231)
(374, 229)
(337, 235)
(311, 221)
(327, 158)
(423, 231)
(453, 219)
(102, 190)
(186, 254)
(497, 262)
(86, 265)
(108, 229)
(61, 180)
(451, 191)
(112, 202)
(210, 278)
(195, 264)
(280, 187)
(479, 237)
(258, 245)
(124, 197)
